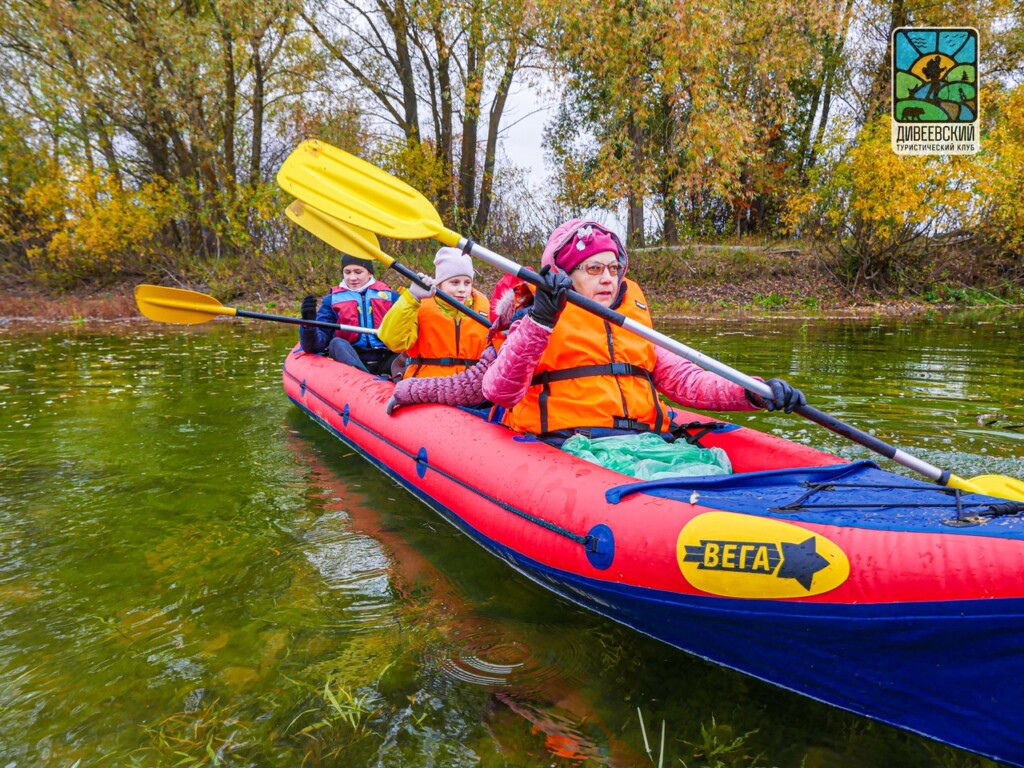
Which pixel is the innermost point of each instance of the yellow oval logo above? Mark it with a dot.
(735, 555)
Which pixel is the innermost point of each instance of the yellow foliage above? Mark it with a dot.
(868, 186)
(238, 215)
(417, 163)
(873, 206)
(87, 226)
(20, 163)
(1001, 170)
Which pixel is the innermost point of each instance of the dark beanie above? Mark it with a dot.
(348, 260)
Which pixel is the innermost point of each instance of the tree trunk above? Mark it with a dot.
(483, 210)
(635, 219)
(832, 66)
(398, 20)
(635, 235)
(229, 108)
(881, 88)
(258, 107)
(670, 212)
(444, 117)
(475, 63)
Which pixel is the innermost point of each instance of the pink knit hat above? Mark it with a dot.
(451, 262)
(575, 241)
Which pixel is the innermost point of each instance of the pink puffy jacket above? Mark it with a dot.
(507, 379)
(464, 388)
(503, 379)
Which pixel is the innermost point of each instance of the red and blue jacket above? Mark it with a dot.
(364, 307)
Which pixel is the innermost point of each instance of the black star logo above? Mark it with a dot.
(801, 562)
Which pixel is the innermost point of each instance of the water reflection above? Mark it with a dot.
(188, 564)
(455, 647)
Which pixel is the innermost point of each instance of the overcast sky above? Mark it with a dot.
(525, 117)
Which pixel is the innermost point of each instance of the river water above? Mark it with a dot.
(194, 573)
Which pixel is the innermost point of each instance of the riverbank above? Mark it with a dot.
(118, 304)
(746, 283)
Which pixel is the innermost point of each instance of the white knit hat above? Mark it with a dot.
(451, 262)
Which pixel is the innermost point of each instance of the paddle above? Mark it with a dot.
(176, 305)
(356, 192)
(364, 244)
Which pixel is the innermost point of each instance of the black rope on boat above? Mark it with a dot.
(814, 488)
(980, 508)
(704, 427)
(1007, 508)
(992, 510)
(890, 486)
(589, 542)
(797, 507)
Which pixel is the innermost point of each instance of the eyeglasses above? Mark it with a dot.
(595, 268)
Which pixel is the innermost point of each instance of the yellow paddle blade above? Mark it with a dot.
(357, 192)
(1002, 486)
(346, 238)
(176, 305)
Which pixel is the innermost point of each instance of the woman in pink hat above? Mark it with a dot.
(438, 339)
(564, 370)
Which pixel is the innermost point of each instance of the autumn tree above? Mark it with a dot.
(685, 106)
(21, 166)
(816, 89)
(1000, 179)
(143, 93)
(869, 46)
(879, 213)
(610, 58)
(436, 75)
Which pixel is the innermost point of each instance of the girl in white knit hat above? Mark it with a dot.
(439, 340)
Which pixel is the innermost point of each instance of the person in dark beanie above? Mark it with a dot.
(361, 300)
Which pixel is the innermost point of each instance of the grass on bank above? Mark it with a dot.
(747, 276)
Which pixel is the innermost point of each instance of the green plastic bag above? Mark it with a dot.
(646, 456)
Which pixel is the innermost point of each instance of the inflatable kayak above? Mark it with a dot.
(893, 598)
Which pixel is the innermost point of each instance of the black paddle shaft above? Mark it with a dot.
(404, 271)
(290, 320)
(872, 443)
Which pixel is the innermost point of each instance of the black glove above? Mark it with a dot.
(309, 307)
(549, 301)
(785, 397)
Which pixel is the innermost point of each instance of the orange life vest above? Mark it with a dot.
(594, 374)
(445, 344)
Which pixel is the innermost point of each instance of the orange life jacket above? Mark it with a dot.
(594, 374)
(446, 345)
